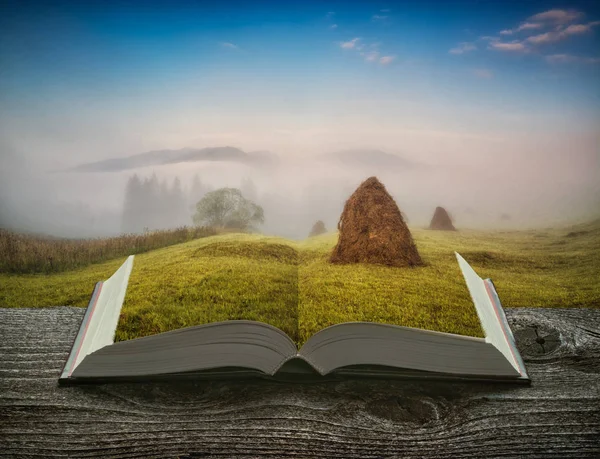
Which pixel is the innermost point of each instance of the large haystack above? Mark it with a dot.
(441, 220)
(318, 228)
(372, 230)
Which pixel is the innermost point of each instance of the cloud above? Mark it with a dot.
(349, 44)
(226, 44)
(557, 16)
(560, 33)
(483, 73)
(330, 14)
(577, 29)
(462, 48)
(512, 47)
(548, 37)
(379, 17)
(559, 24)
(529, 26)
(371, 56)
(569, 58)
(524, 26)
(333, 26)
(386, 59)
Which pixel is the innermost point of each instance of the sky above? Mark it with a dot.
(500, 85)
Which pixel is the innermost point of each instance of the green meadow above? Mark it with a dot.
(291, 285)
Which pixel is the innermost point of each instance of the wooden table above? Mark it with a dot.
(557, 416)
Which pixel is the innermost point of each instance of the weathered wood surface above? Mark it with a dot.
(557, 416)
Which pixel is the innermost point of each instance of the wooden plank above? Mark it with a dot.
(557, 416)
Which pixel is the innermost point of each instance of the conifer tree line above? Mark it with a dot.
(151, 204)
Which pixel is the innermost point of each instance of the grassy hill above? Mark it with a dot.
(292, 286)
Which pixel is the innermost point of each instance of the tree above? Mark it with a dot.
(227, 208)
(149, 200)
(131, 214)
(317, 229)
(152, 204)
(177, 202)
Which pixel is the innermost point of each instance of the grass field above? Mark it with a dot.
(291, 285)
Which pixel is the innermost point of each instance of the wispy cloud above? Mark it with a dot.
(557, 16)
(483, 73)
(330, 14)
(569, 58)
(333, 26)
(562, 33)
(546, 27)
(226, 44)
(548, 37)
(462, 48)
(512, 47)
(558, 20)
(379, 17)
(574, 29)
(529, 26)
(522, 27)
(351, 44)
(371, 56)
(368, 51)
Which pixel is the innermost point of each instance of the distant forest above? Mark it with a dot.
(151, 204)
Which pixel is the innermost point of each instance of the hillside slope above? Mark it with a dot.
(162, 157)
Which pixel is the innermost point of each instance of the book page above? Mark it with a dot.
(291, 285)
(226, 277)
(432, 297)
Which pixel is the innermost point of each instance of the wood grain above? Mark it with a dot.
(557, 416)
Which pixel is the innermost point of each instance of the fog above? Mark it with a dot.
(518, 182)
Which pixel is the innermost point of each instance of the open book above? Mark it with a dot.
(243, 348)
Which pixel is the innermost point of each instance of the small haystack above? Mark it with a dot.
(372, 230)
(318, 228)
(441, 220)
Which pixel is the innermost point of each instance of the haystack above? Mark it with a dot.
(441, 220)
(318, 228)
(372, 230)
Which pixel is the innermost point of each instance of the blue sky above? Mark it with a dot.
(237, 72)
